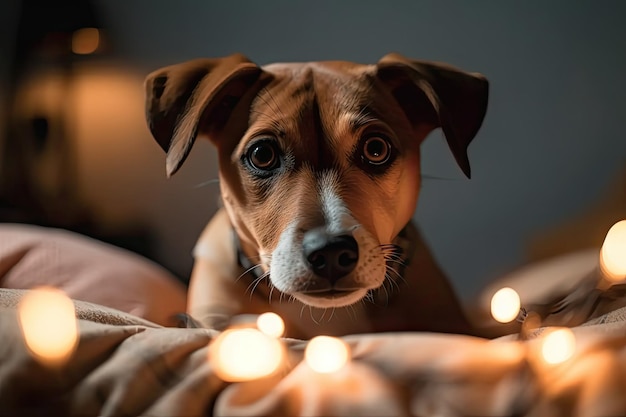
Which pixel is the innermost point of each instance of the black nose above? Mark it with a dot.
(330, 256)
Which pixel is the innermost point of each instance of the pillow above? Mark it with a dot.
(89, 270)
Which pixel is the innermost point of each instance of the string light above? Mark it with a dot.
(271, 324)
(558, 346)
(613, 253)
(48, 322)
(245, 354)
(505, 305)
(325, 354)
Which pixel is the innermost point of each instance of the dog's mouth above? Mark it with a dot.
(333, 297)
(329, 293)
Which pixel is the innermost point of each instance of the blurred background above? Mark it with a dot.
(75, 151)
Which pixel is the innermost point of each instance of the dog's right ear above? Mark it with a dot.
(196, 95)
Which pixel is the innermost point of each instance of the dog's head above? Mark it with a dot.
(319, 162)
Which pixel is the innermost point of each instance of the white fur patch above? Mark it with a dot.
(290, 272)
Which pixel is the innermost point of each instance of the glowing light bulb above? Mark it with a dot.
(505, 305)
(325, 354)
(85, 41)
(49, 326)
(271, 324)
(613, 253)
(245, 354)
(558, 346)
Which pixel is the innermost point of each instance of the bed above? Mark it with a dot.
(134, 358)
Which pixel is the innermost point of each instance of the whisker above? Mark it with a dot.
(252, 268)
(256, 283)
(272, 288)
(256, 258)
(252, 286)
(205, 183)
(389, 246)
(395, 262)
(354, 313)
(400, 263)
(323, 314)
(392, 254)
(434, 177)
(311, 315)
(384, 288)
(332, 313)
(397, 273)
(388, 282)
(392, 282)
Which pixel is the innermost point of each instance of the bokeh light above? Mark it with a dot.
(271, 324)
(85, 41)
(325, 354)
(505, 305)
(49, 326)
(245, 354)
(558, 346)
(613, 253)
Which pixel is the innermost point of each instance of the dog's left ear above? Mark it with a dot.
(194, 97)
(438, 95)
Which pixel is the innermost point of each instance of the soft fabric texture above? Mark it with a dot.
(128, 364)
(129, 369)
(89, 270)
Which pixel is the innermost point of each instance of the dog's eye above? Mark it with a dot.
(376, 150)
(263, 156)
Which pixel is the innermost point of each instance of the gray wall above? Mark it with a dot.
(552, 139)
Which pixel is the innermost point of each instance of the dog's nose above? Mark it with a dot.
(330, 256)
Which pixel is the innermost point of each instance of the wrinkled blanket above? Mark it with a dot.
(126, 366)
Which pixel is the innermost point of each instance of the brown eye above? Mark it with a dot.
(376, 150)
(264, 155)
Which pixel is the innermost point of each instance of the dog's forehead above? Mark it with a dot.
(334, 83)
(330, 91)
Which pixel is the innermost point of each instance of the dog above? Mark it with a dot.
(319, 173)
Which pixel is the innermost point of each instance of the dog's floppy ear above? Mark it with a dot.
(196, 95)
(438, 95)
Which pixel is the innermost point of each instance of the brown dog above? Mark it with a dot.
(319, 167)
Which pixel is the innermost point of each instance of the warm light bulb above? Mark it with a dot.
(613, 253)
(271, 324)
(505, 305)
(49, 326)
(558, 346)
(245, 354)
(325, 354)
(85, 41)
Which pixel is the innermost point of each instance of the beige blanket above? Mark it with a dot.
(126, 366)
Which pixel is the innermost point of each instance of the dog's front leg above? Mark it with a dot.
(215, 294)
